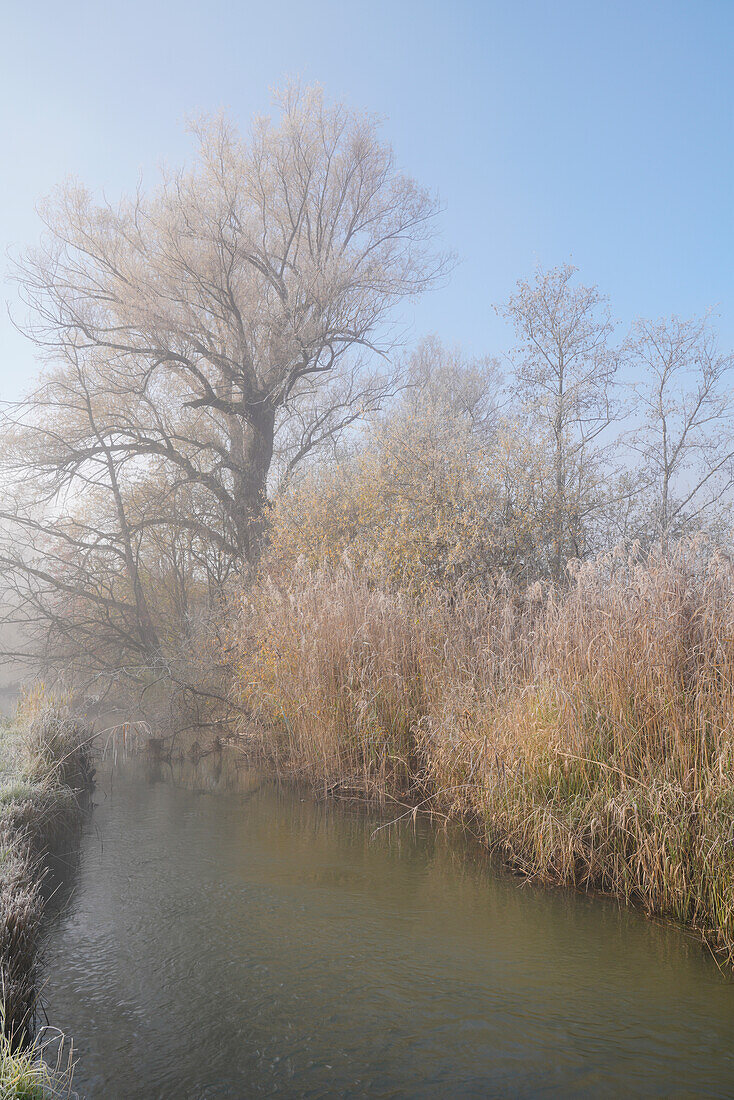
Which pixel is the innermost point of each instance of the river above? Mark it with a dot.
(224, 937)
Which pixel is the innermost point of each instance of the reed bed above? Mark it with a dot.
(588, 733)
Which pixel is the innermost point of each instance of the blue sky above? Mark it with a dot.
(600, 131)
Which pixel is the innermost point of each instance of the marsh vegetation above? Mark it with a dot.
(587, 737)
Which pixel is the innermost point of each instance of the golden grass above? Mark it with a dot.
(589, 734)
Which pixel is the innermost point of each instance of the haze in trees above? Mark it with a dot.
(227, 393)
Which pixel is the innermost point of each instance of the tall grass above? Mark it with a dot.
(35, 1071)
(330, 668)
(588, 734)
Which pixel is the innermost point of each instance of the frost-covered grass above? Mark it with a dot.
(43, 769)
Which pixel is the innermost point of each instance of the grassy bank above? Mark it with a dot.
(25, 1075)
(43, 770)
(588, 736)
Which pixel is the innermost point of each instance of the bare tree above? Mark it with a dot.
(203, 340)
(442, 383)
(221, 307)
(109, 557)
(565, 373)
(70, 550)
(683, 385)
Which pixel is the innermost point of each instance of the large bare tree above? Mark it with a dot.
(202, 340)
(242, 294)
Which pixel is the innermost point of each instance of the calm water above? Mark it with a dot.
(228, 939)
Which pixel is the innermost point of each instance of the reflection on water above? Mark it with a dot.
(227, 938)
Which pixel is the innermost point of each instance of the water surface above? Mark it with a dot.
(226, 938)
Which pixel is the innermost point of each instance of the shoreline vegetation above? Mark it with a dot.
(587, 735)
(236, 499)
(44, 770)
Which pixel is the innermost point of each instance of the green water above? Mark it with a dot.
(222, 937)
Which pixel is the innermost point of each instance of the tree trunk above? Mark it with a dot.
(252, 453)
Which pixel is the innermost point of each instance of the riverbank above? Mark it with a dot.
(586, 737)
(44, 769)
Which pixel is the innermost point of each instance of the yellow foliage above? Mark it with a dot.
(424, 504)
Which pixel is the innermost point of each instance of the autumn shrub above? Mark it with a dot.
(588, 735)
(419, 525)
(440, 492)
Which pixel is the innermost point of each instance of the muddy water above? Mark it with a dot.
(226, 938)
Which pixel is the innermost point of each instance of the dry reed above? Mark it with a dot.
(589, 733)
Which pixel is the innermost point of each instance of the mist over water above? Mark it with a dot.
(228, 938)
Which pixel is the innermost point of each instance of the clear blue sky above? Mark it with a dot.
(600, 130)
